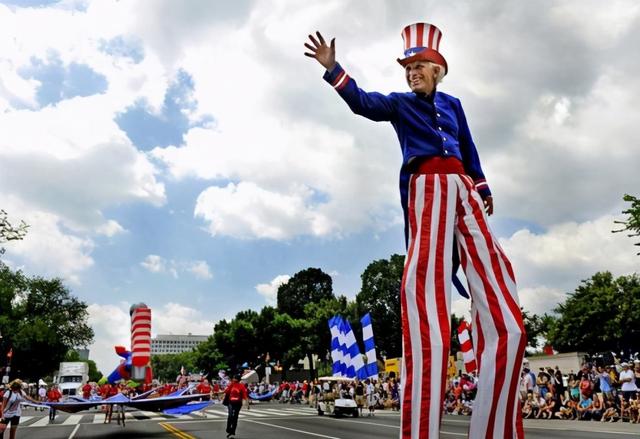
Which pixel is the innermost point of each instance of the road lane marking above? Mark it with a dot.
(254, 413)
(302, 412)
(274, 412)
(176, 431)
(148, 415)
(367, 423)
(290, 429)
(73, 433)
(41, 422)
(72, 419)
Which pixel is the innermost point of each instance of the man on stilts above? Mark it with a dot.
(446, 200)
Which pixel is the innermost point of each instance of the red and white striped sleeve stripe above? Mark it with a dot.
(481, 184)
(341, 81)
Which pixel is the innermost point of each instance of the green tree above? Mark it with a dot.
(9, 232)
(632, 223)
(166, 367)
(537, 327)
(316, 336)
(455, 343)
(380, 296)
(602, 314)
(306, 286)
(236, 340)
(209, 358)
(40, 320)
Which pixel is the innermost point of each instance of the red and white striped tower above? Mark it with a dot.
(466, 347)
(140, 340)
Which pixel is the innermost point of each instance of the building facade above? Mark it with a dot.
(175, 344)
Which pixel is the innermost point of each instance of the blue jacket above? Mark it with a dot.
(426, 126)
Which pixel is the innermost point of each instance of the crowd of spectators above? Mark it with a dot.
(595, 393)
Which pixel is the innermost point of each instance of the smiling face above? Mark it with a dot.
(421, 76)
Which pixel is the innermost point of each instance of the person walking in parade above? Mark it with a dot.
(234, 395)
(10, 410)
(446, 200)
(53, 395)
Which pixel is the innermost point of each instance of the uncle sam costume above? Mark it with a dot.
(442, 188)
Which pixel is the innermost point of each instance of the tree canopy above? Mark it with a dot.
(601, 315)
(632, 223)
(9, 232)
(167, 366)
(306, 286)
(40, 321)
(380, 296)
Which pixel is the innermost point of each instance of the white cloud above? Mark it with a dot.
(111, 324)
(158, 264)
(200, 269)
(551, 264)
(246, 210)
(110, 228)
(48, 249)
(154, 264)
(285, 157)
(270, 290)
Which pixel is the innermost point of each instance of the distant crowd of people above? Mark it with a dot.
(598, 393)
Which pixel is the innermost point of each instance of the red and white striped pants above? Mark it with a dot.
(442, 206)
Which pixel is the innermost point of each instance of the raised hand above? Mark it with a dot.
(325, 55)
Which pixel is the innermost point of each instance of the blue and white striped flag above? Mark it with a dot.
(353, 351)
(369, 347)
(336, 352)
(345, 353)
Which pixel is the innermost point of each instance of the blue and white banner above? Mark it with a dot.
(345, 353)
(356, 365)
(336, 351)
(371, 367)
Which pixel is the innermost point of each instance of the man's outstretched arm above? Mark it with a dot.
(374, 106)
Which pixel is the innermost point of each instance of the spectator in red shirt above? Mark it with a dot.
(235, 394)
(53, 395)
(86, 391)
(204, 387)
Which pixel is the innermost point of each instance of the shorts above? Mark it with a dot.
(628, 394)
(14, 420)
(360, 400)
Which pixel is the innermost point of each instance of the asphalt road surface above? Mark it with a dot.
(275, 421)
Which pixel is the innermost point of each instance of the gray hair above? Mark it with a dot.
(441, 72)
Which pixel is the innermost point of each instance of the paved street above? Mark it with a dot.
(275, 421)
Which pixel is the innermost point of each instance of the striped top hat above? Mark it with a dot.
(421, 43)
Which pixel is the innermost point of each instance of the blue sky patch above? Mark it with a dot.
(58, 82)
(147, 130)
(78, 5)
(121, 47)
(29, 3)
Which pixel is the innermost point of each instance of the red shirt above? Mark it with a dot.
(54, 395)
(86, 391)
(203, 388)
(237, 392)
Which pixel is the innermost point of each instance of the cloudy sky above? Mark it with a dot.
(186, 154)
